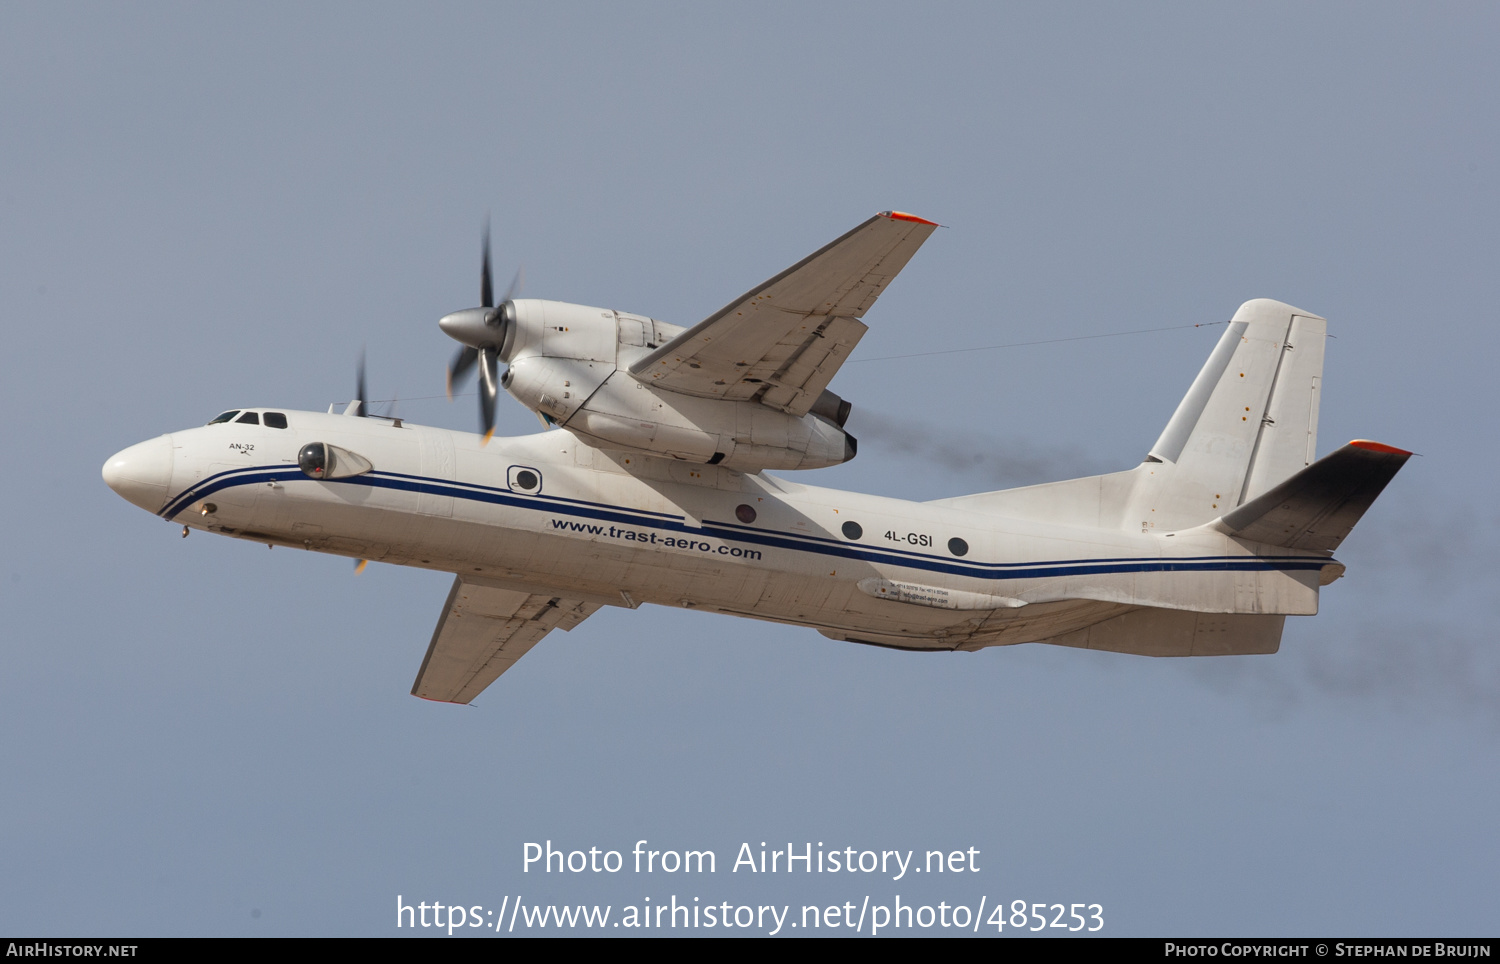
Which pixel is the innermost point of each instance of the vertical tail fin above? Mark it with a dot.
(1249, 421)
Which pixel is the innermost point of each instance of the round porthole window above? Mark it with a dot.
(852, 530)
(958, 547)
(744, 513)
(526, 479)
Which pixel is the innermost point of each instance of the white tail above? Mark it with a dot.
(1249, 421)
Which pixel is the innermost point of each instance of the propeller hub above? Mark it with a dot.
(475, 327)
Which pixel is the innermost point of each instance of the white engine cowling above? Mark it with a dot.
(568, 362)
(555, 387)
(555, 329)
(746, 436)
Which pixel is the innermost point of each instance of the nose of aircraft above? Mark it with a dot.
(142, 474)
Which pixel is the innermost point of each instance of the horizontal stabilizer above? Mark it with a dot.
(1317, 507)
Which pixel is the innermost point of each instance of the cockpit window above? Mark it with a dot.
(249, 418)
(275, 420)
(225, 417)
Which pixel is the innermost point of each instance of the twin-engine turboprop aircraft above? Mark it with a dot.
(655, 489)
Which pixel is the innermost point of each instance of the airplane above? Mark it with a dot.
(653, 485)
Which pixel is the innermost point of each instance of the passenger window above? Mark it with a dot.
(249, 418)
(523, 479)
(225, 417)
(275, 420)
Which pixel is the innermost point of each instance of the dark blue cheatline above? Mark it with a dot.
(821, 545)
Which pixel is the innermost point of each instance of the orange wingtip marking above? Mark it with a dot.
(1360, 443)
(903, 216)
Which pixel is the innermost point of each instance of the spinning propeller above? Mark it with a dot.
(482, 331)
(359, 387)
(359, 409)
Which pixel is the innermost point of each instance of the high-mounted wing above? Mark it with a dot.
(782, 342)
(481, 634)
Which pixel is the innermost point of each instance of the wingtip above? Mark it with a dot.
(434, 699)
(1369, 446)
(903, 216)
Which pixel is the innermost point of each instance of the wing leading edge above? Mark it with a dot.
(481, 634)
(782, 342)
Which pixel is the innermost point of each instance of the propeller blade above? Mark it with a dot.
(485, 327)
(516, 284)
(359, 565)
(458, 369)
(489, 390)
(486, 290)
(359, 387)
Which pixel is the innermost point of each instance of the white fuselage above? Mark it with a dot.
(547, 511)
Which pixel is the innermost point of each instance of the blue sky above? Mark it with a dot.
(210, 206)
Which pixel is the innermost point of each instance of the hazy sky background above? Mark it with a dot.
(209, 206)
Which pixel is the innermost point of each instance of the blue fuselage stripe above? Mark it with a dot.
(820, 545)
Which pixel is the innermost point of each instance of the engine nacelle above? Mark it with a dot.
(554, 387)
(569, 363)
(555, 329)
(741, 435)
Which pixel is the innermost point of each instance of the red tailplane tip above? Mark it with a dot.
(1360, 443)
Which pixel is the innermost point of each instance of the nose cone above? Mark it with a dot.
(142, 474)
